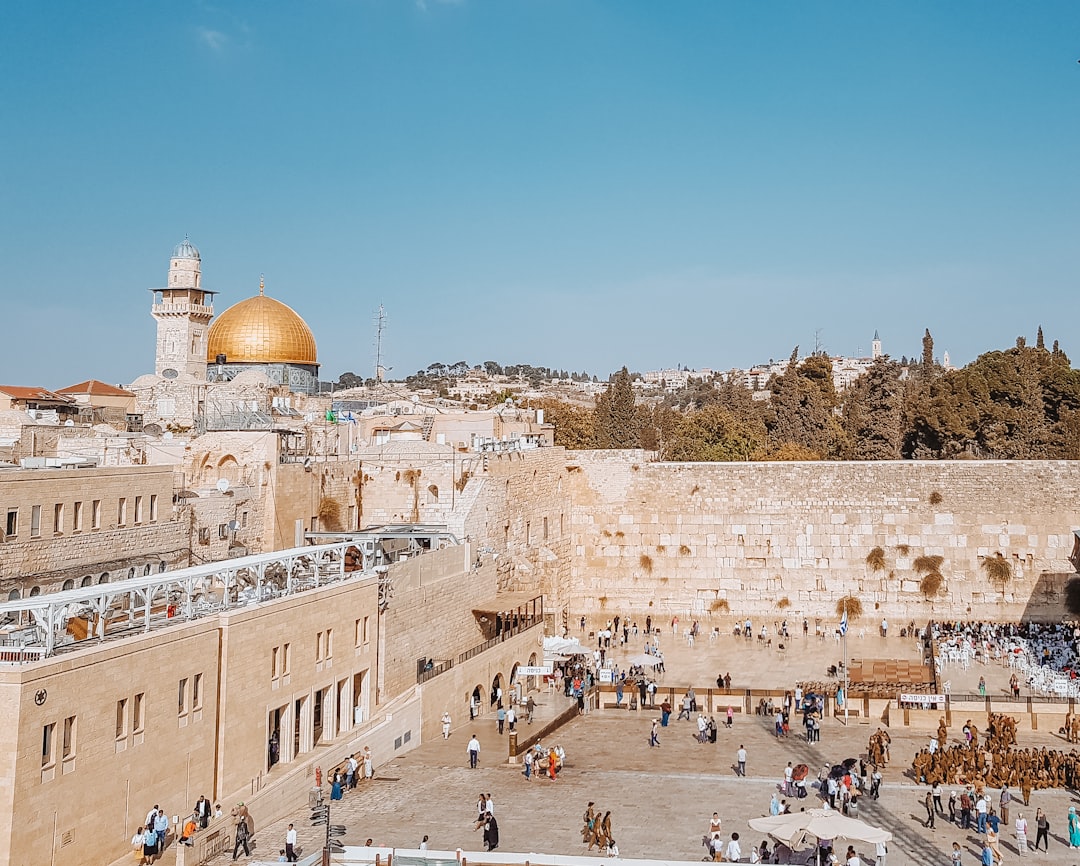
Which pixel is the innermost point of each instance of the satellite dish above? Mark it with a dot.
(223, 485)
(69, 423)
(169, 373)
(233, 524)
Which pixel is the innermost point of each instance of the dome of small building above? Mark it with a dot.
(186, 250)
(261, 330)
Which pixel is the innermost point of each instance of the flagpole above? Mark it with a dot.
(845, 675)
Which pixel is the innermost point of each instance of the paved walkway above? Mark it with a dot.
(660, 799)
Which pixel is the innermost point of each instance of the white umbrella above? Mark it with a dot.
(792, 829)
(643, 659)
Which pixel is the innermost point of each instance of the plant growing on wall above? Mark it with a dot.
(329, 514)
(645, 561)
(876, 559)
(784, 603)
(903, 549)
(661, 548)
(927, 564)
(603, 601)
(720, 605)
(999, 570)
(931, 585)
(935, 498)
(684, 550)
(851, 604)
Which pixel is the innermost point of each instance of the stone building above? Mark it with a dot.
(64, 528)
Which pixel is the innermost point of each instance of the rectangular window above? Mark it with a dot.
(223, 530)
(243, 518)
(367, 634)
(138, 510)
(58, 517)
(329, 643)
(286, 662)
(182, 707)
(121, 718)
(274, 669)
(319, 647)
(48, 745)
(196, 692)
(153, 507)
(138, 713)
(76, 517)
(12, 528)
(545, 529)
(562, 524)
(69, 737)
(359, 635)
(95, 514)
(35, 521)
(528, 529)
(121, 511)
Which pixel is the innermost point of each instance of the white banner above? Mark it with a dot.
(534, 670)
(922, 700)
(604, 675)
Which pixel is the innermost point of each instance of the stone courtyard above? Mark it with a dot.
(661, 799)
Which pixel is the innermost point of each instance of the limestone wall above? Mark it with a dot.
(67, 544)
(668, 538)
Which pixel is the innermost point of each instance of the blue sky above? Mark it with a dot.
(574, 184)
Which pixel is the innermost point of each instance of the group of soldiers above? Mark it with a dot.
(878, 748)
(995, 762)
(596, 829)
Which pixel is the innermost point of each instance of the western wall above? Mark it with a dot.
(723, 541)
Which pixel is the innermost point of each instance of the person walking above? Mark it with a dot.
(1074, 828)
(1021, 828)
(290, 845)
(654, 735)
(369, 765)
(445, 725)
(740, 757)
(474, 751)
(936, 791)
(501, 716)
(161, 828)
(242, 835)
(528, 764)
(1042, 829)
(928, 802)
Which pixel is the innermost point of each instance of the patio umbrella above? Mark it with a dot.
(644, 660)
(792, 829)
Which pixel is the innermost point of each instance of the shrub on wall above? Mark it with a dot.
(851, 604)
(998, 569)
(876, 559)
(931, 585)
(720, 605)
(903, 549)
(684, 550)
(927, 564)
(935, 498)
(784, 603)
(645, 561)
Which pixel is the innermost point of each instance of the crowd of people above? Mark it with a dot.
(152, 836)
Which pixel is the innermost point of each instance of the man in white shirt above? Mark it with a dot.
(474, 751)
(788, 779)
(740, 756)
(290, 844)
(853, 859)
(733, 852)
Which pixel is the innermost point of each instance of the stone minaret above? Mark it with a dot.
(875, 346)
(183, 310)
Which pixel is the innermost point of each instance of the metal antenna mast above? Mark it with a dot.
(380, 324)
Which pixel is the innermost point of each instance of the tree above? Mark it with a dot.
(873, 414)
(615, 414)
(574, 425)
(715, 434)
(802, 404)
(1040, 343)
(349, 380)
(927, 353)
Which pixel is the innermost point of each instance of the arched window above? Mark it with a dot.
(87, 581)
(131, 572)
(14, 595)
(104, 578)
(68, 584)
(146, 570)
(35, 591)
(161, 567)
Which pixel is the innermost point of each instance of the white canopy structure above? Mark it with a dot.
(794, 828)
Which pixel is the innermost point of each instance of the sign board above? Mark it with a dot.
(534, 670)
(604, 675)
(922, 700)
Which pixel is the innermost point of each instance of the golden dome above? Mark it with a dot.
(263, 331)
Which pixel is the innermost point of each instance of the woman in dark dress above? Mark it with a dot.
(491, 832)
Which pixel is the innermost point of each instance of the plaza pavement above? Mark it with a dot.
(660, 799)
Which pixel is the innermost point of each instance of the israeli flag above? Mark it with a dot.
(843, 624)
